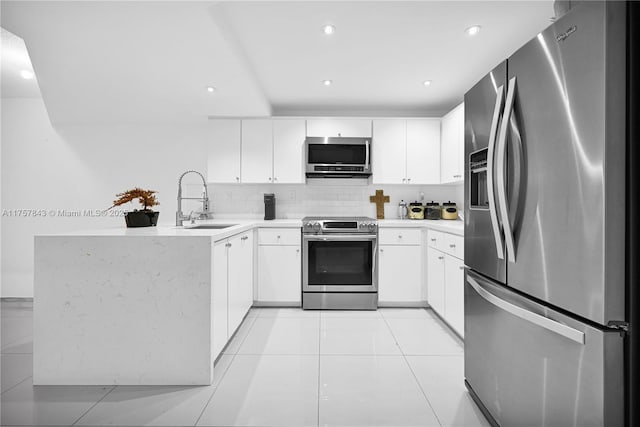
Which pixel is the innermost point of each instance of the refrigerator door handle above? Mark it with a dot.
(536, 319)
(493, 211)
(502, 162)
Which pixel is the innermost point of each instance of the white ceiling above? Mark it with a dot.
(15, 59)
(151, 61)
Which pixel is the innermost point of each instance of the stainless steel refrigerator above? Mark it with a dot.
(548, 234)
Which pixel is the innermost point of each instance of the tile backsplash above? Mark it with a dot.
(323, 198)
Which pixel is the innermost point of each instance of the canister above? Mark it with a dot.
(432, 210)
(449, 210)
(416, 210)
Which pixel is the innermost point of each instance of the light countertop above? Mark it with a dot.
(448, 226)
(239, 226)
(242, 225)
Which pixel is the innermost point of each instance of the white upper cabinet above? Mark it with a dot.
(288, 151)
(339, 127)
(223, 163)
(423, 151)
(389, 151)
(406, 151)
(452, 146)
(257, 151)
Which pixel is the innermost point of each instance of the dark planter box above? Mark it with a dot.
(141, 219)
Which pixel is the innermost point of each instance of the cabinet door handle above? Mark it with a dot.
(278, 236)
(228, 245)
(269, 178)
(381, 250)
(452, 246)
(404, 179)
(297, 250)
(244, 237)
(461, 267)
(237, 179)
(399, 236)
(440, 257)
(275, 179)
(409, 180)
(457, 176)
(433, 240)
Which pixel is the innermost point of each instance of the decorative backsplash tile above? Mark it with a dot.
(324, 199)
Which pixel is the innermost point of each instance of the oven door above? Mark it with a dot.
(340, 263)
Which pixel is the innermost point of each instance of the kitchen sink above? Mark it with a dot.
(210, 226)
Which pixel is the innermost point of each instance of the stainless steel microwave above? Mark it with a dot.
(338, 157)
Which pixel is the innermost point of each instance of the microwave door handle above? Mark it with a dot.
(502, 163)
(493, 211)
(366, 160)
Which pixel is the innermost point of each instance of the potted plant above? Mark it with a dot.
(139, 218)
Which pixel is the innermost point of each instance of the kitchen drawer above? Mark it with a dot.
(399, 236)
(279, 236)
(453, 245)
(435, 239)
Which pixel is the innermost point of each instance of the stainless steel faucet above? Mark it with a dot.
(205, 213)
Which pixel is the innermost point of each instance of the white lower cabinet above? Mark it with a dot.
(279, 266)
(400, 275)
(445, 278)
(240, 283)
(232, 286)
(219, 308)
(435, 280)
(454, 293)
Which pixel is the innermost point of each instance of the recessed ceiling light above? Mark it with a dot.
(211, 89)
(327, 82)
(27, 74)
(472, 31)
(329, 29)
(427, 82)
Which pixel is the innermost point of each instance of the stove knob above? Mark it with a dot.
(316, 226)
(372, 226)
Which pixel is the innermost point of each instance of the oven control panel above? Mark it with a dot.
(342, 225)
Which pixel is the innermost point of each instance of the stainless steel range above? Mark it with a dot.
(339, 263)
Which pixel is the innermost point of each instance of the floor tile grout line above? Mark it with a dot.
(224, 374)
(94, 405)
(16, 385)
(415, 377)
(11, 343)
(204, 408)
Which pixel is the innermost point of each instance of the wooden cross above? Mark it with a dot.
(379, 199)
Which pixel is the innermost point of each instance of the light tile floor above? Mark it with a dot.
(284, 367)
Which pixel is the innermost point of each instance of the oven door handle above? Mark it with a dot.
(340, 237)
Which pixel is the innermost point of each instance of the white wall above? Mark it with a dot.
(76, 168)
(81, 167)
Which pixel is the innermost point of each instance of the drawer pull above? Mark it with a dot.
(433, 240)
(228, 245)
(452, 246)
(399, 236)
(440, 257)
(244, 237)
